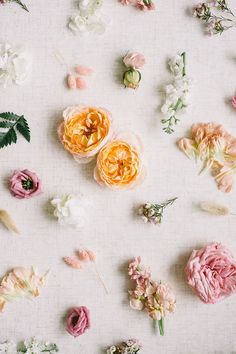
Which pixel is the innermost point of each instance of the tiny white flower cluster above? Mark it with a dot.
(89, 18)
(30, 346)
(176, 93)
(71, 210)
(14, 66)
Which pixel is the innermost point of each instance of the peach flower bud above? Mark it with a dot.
(71, 82)
(74, 263)
(83, 255)
(91, 255)
(83, 70)
(81, 83)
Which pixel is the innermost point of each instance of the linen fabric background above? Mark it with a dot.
(115, 233)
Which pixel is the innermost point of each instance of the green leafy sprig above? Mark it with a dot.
(153, 213)
(12, 123)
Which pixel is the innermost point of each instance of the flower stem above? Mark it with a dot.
(184, 62)
(24, 7)
(161, 326)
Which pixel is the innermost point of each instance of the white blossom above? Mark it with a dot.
(14, 66)
(8, 347)
(89, 18)
(71, 210)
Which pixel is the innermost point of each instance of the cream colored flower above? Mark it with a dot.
(84, 131)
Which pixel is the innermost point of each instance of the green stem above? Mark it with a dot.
(24, 7)
(184, 62)
(161, 326)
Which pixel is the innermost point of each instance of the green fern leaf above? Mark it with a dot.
(12, 121)
(23, 127)
(5, 124)
(9, 116)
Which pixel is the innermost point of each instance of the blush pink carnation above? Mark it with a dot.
(78, 321)
(25, 184)
(211, 272)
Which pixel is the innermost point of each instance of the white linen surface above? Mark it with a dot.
(114, 232)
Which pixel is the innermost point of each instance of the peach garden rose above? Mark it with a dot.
(84, 131)
(119, 163)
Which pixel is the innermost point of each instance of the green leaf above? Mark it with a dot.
(9, 116)
(23, 127)
(13, 121)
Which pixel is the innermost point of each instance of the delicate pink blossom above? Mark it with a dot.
(126, 2)
(211, 272)
(83, 255)
(78, 321)
(134, 60)
(25, 184)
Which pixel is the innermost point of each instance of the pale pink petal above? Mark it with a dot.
(233, 101)
(71, 81)
(83, 70)
(83, 255)
(81, 83)
(72, 262)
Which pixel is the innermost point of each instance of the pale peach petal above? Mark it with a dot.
(136, 304)
(72, 262)
(92, 255)
(81, 83)
(83, 70)
(71, 81)
(83, 255)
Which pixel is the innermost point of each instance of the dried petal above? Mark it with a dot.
(83, 70)
(214, 209)
(7, 221)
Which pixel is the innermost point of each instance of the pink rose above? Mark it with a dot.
(211, 272)
(134, 60)
(78, 321)
(25, 184)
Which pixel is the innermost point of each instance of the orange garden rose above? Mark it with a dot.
(119, 165)
(84, 131)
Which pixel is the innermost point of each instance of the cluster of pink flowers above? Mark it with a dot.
(211, 272)
(216, 149)
(156, 298)
(140, 4)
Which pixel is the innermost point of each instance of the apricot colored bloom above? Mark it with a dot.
(84, 131)
(215, 148)
(211, 272)
(119, 164)
(20, 282)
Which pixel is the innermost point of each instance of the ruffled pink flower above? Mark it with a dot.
(211, 272)
(25, 184)
(141, 276)
(145, 5)
(233, 101)
(78, 321)
(134, 60)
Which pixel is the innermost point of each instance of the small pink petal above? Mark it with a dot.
(83, 70)
(83, 255)
(81, 83)
(72, 262)
(71, 82)
(233, 101)
(92, 255)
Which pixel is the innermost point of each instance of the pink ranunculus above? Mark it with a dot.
(211, 272)
(78, 321)
(25, 184)
(134, 60)
(233, 101)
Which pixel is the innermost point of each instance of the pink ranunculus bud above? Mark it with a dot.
(134, 60)
(25, 184)
(78, 321)
(83, 70)
(211, 272)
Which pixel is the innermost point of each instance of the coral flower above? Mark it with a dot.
(119, 165)
(84, 131)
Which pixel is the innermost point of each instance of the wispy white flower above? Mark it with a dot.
(176, 93)
(14, 66)
(89, 18)
(8, 347)
(71, 210)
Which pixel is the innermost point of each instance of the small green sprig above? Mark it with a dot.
(10, 123)
(153, 213)
(23, 6)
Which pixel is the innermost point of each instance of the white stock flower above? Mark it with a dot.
(89, 18)
(71, 210)
(8, 347)
(14, 66)
(176, 65)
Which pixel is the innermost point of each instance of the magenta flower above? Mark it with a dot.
(25, 184)
(211, 272)
(78, 321)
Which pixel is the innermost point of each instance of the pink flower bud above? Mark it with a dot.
(83, 70)
(71, 82)
(81, 83)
